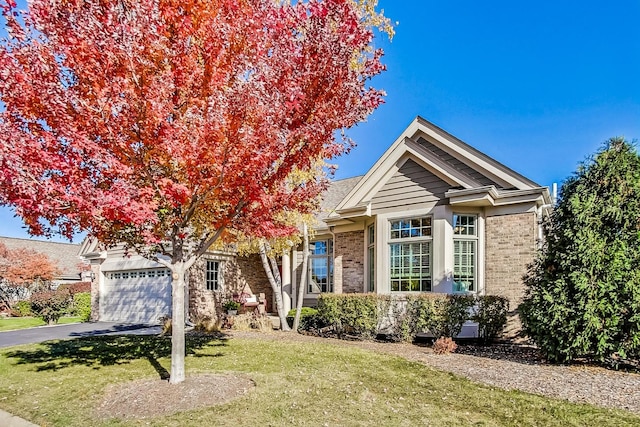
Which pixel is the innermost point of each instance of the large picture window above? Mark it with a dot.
(320, 267)
(410, 250)
(465, 249)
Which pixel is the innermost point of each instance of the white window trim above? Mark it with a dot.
(473, 238)
(330, 267)
(218, 282)
(421, 239)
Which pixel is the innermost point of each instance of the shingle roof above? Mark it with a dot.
(65, 255)
(333, 196)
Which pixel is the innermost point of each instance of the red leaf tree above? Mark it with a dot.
(163, 123)
(23, 271)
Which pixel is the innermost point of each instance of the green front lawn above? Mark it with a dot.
(11, 323)
(59, 383)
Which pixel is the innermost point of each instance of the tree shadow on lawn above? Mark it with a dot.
(111, 350)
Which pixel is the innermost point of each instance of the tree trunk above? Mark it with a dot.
(303, 276)
(276, 284)
(178, 348)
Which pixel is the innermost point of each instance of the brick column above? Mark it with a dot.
(349, 262)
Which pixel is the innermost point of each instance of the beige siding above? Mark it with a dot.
(412, 187)
(457, 164)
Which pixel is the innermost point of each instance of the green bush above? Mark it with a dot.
(50, 305)
(353, 314)
(491, 316)
(582, 297)
(403, 317)
(309, 318)
(21, 308)
(81, 306)
(440, 314)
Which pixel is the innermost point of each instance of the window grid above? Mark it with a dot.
(464, 225)
(465, 245)
(135, 274)
(411, 228)
(411, 267)
(213, 275)
(410, 255)
(320, 267)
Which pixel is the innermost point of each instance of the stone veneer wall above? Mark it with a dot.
(349, 262)
(510, 248)
(241, 274)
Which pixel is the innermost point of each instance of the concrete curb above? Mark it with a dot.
(8, 420)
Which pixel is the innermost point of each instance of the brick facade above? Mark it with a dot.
(242, 274)
(349, 262)
(510, 248)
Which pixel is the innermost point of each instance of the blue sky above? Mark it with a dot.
(538, 85)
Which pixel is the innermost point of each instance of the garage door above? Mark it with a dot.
(136, 296)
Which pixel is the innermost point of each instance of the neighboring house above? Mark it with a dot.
(64, 255)
(433, 214)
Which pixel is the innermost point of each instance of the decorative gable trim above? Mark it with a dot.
(406, 147)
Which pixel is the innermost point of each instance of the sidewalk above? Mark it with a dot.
(8, 420)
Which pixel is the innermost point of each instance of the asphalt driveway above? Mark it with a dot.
(73, 330)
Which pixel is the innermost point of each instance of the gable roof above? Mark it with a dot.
(64, 255)
(332, 196)
(463, 167)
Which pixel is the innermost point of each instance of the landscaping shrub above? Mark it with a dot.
(582, 296)
(81, 306)
(491, 316)
(208, 325)
(309, 318)
(50, 305)
(353, 314)
(21, 308)
(401, 318)
(440, 314)
(444, 345)
(251, 322)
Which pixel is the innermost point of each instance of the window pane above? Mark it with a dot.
(464, 225)
(410, 267)
(464, 258)
(411, 228)
(212, 275)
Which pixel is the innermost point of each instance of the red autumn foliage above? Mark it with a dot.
(23, 267)
(153, 121)
(163, 123)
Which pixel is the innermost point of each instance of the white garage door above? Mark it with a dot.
(136, 296)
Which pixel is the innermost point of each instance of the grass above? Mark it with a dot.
(12, 323)
(58, 383)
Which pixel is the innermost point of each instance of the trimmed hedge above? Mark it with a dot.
(403, 317)
(308, 318)
(81, 305)
(353, 314)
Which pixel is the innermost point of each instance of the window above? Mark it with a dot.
(371, 257)
(410, 255)
(320, 267)
(465, 246)
(213, 275)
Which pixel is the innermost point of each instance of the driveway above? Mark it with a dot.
(74, 330)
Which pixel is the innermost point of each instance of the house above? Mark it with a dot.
(64, 255)
(433, 214)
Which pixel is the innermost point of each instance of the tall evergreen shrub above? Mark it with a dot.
(583, 291)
